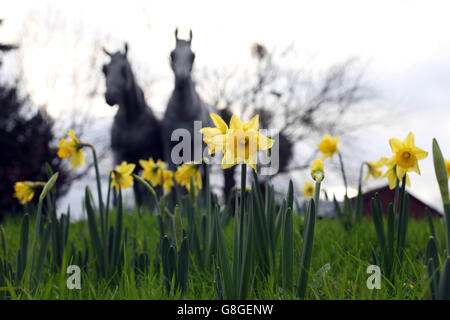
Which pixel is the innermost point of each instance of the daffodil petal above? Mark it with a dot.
(409, 140)
(252, 124)
(236, 123)
(395, 144)
(219, 123)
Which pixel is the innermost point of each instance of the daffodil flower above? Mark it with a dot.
(24, 190)
(215, 137)
(308, 189)
(242, 141)
(187, 171)
(406, 155)
(73, 149)
(374, 168)
(317, 170)
(121, 176)
(328, 146)
(152, 171)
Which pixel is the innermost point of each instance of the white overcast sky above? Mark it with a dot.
(405, 43)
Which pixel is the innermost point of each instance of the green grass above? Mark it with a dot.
(348, 254)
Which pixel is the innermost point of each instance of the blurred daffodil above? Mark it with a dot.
(242, 141)
(24, 190)
(152, 170)
(328, 146)
(73, 149)
(121, 176)
(317, 170)
(215, 136)
(374, 168)
(447, 167)
(406, 155)
(187, 171)
(308, 189)
(167, 179)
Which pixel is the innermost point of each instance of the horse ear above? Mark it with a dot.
(190, 35)
(107, 52)
(176, 34)
(126, 49)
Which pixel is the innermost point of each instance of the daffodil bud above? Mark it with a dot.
(317, 171)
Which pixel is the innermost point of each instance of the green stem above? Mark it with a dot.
(99, 187)
(242, 206)
(316, 198)
(344, 177)
(208, 190)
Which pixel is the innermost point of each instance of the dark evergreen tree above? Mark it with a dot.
(26, 144)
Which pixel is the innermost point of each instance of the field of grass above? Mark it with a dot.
(259, 245)
(348, 254)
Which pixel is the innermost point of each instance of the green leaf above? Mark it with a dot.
(433, 267)
(444, 281)
(305, 259)
(441, 172)
(287, 251)
(377, 215)
(48, 186)
(178, 223)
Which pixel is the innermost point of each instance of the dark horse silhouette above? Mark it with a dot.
(185, 105)
(136, 133)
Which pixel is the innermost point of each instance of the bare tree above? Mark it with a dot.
(299, 103)
(72, 77)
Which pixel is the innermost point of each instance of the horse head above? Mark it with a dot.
(118, 75)
(182, 58)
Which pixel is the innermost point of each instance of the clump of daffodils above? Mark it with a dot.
(72, 148)
(189, 171)
(308, 189)
(239, 141)
(24, 190)
(121, 176)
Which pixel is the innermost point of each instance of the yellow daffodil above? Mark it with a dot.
(406, 155)
(215, 137)
(374, 168)
(242, 141)
(152, 170)
(328, 146)
(71, 148)
(121, 176)
(187, 171)
(24, 191)
(167, 180)
(317, 170)
(308, 189)
(447, 166)
(390, 173)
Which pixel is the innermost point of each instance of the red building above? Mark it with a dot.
(386, 195)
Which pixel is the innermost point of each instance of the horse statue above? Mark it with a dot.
(136, 133)
(185, 105)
